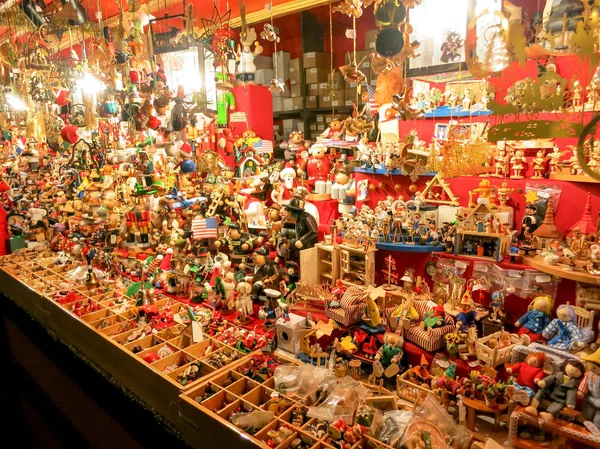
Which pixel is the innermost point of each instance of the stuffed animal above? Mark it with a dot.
(388, 357)
(562, 332)
(528, 373)
(560, 389)
(590, 387)
(536, 319)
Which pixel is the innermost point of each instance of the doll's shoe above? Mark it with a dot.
(525, 340)
(531, 410)
(392, 370)
(378, 368)
(511, 392)
(522, 398)
(546, 416)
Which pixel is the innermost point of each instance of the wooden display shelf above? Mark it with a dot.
(579, 276)
(407, 248)
(573, 178)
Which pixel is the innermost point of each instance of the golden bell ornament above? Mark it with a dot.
(91, 278)
(497, 57)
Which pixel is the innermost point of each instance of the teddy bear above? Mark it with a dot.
(317, 166)
(536, 319)
(389, 355)
(562, 332)
(528, 374)
(295, 147)
(558, 388)
(334, 131)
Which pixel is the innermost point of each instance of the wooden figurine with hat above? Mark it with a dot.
(467, 316)
(590, 388)
(265, 272)
(239, 243)
(300, 223)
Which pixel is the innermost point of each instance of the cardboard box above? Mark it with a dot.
(295, 65)
(263, 62)
(321, 127)
(328, 119)
(264, 76)
(297, 90)
(337, 94)
(350, 94)
(283, 65)
(325, 102)
(316, 59)
(313, 89)
(315, 75)
(298, 103)
(295, 78)
(276, 128)
(313, 126)
(370, 39)
(322, 87)
(336, 78)
(348, 102)
(320, 118)
(290, 123)
(288, 104)
(300, 127)
(312, 102)
(277, 104)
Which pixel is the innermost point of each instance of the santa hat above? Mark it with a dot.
(165, 265)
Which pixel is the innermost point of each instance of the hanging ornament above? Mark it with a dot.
(276, 86)
(352, 8)
(351, 73)
(497, 57)
(270, 33)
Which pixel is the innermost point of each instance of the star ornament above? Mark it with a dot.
(531, 196)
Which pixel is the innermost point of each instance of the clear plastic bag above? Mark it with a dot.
(304, 383)
(341, 403)
(393, 426)
(432, 425)
(370, 418)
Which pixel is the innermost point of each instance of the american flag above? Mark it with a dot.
(263, 146)
(204, 228)
(372, 103)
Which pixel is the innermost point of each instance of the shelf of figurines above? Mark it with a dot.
(575, 271)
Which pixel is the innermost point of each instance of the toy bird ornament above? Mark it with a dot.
(270, 33)
(276, 86)
(351, 73)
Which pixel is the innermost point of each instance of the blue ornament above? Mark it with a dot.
(187, 166)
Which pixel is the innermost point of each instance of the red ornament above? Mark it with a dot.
(69, 134)
(151, 357)
(153, 122)
(339, 240)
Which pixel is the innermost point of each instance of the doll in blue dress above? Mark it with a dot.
(562, 332)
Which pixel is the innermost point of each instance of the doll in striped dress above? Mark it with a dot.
(562, 332)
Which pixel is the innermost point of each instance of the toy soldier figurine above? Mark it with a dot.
(265, 272)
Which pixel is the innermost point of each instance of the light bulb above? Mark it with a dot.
(90, 85)
(16, 102)
(497, 57)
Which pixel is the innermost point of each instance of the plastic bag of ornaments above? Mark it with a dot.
(523, 283)
(305, 383)
(434, 427)
(341, 403)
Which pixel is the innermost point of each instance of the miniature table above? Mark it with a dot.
(481, 314)
(479, 406)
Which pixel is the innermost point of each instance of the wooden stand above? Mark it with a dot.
(479, 406)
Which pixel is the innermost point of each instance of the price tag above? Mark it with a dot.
(155, 332)
(483, 269)
(543, 279)
(514, 274)
(592, 428)
(197, 335)
(238, 117)
(461, 264)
